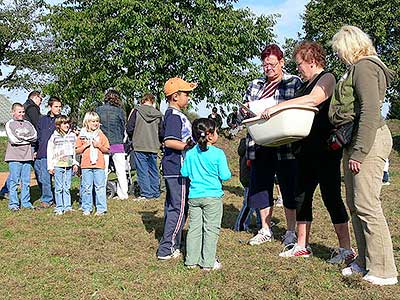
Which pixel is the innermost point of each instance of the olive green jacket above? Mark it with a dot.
(358, 97)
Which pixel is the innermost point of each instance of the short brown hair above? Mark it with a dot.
(113, 97)
(272, 49)
(61, 120)
(309, 52)
(147, 97)
(15, 105)
(52, 100)
(33, 94)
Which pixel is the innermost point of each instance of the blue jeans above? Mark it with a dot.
(62, 180)
(89, 178)
(44, 179)
(147, 174)
(19, 171)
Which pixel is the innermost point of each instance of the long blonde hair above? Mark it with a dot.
(351, 44)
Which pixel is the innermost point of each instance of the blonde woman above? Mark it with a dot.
(358, 98)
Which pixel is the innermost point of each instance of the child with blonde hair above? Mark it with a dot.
(92, 144)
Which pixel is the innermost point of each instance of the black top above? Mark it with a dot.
(316, 141)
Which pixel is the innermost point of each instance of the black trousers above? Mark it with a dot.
(324, 169)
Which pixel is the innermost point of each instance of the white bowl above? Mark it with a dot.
(287, 125)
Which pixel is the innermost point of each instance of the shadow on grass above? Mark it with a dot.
(396, 143)
(153, 223)
(35, 195)
(229, 216)
(236, 190)
(321, 251)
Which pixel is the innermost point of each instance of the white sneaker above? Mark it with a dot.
(58, 212)
(352, 269)
(217, 266)
(379, 280)
(343, 256)
(174, 254)
(279, 202)
(289, 238)
(86, 213)
(100, 213)
(296, 251)
(263, 235)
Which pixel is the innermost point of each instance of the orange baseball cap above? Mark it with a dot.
(177, 84)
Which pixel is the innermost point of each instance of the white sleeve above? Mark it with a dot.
(50, 154)
(10, 135)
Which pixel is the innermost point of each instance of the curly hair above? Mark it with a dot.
(309, 52)
(113, 97)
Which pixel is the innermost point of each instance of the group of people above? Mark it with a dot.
(193, 168)
(52, 146)
(354, 104)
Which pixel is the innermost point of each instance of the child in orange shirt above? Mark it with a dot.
(92, 144)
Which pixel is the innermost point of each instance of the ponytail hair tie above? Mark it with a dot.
(203, 134)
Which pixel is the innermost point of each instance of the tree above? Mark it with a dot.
(135, 46)
(22, 46)
(378, 18)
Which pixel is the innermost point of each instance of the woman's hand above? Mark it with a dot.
(267, 113)
(354, 166)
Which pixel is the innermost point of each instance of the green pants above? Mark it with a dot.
(205, 215)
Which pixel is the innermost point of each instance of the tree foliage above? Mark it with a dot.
(379, 18)
(22, 46)
(135, 46)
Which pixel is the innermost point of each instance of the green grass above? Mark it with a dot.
(43, 256)
(3, 146)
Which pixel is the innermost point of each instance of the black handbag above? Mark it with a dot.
(341, 137)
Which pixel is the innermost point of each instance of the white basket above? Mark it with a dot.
(286, 125)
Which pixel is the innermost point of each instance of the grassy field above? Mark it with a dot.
(43, 256)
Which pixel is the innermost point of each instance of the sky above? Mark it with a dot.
(287, 26)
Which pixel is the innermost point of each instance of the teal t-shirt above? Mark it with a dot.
(206, 170)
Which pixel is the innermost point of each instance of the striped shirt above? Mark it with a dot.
(282, 91)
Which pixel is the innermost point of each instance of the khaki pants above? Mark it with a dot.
(375, 249)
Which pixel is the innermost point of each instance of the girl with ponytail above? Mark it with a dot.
(206, 167)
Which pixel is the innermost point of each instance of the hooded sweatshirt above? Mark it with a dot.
(358, 97)
(144, 127)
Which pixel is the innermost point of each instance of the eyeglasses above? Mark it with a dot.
(270, 66)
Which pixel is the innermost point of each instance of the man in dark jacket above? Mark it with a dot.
(46, 127)
(145, 128)
(32, 108)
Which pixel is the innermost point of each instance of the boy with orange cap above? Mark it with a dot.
(177, 139)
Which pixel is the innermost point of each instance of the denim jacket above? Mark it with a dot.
(112, 120)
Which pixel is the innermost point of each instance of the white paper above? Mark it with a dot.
(259, 106)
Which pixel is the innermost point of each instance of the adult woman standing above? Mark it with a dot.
(276, 86)
(317, 164)
(113, 120)
(358, 98)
